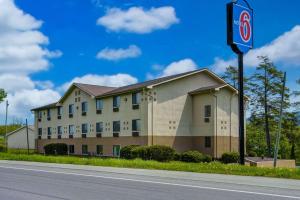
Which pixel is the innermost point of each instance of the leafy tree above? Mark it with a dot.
(2, 95)
(265, 87)
(231, 76)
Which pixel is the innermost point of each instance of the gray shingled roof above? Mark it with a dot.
(94, 90)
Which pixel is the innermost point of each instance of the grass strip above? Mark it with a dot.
(213, 167)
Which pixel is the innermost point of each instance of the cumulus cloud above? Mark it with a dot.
(138, 20)
(118, 54)
(173, 68)
(284, 50)
(22, 52)
(116, 80)
(22, 46)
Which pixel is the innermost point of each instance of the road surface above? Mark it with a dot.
(43, 181)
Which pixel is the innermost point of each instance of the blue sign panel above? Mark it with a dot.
(240, 26)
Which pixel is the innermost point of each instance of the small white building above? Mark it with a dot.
(17, 139)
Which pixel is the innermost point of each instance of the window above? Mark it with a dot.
(116, 150)
(40, 132)
(99, 149)
(40, 114)
(99, 127)
(48, 114)
(207, 142)
(136, 125)
(59, 111)
(99, 104)
(49, 131)
(84, 149)
(71, 129)
(116, 126)
(71, 149)
(84, 128)
(136, 98)
(207, 113)
(71, 109)
(84, 107)
(116, 101)
(59, 130)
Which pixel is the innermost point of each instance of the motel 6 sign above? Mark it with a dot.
(240, 26)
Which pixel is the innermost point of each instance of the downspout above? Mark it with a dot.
(216, 122)
(230, 121)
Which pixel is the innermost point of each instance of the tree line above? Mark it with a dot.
(263, 87)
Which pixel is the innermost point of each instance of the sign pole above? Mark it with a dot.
(240, 39)
(241, 109)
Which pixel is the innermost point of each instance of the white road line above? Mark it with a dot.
(154, 182)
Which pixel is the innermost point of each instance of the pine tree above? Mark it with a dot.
(265, 89)
(2, 95)
(231, 76)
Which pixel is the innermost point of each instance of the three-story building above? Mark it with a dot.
(195, 110)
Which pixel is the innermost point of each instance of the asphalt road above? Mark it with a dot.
(41, 181)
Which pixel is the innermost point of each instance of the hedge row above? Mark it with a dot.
(162, 153)
(56, 149)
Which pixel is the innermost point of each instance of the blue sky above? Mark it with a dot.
(191, 33)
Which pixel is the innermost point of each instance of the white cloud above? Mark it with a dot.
(22, 46)
(173, 68)
(138, 20)
(117, 54)
(284, 50)
(12, 83)
(116, 80)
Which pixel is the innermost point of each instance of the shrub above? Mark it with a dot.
(230, 157)
(141, 152)
(56, 149)
(252, 154)
(207, 158)
(2, 148)
(127, 152)
(177, 156)
(192, 156)
(161, 153)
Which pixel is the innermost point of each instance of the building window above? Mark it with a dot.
(40, 132)
(207, 113)
(48, 114)
(40, 114)
(116, 101)
(71, 149)
(59, 111)
(136, 100)
(84, 108)
(99, 149)
(99, 104)
(71, 129)
(49, 131)
(99, 127)
(136, 127)
(59, 130)
(116, 126)
(84, 149)
(71, 110)
(207, 142)
(84, 128)
(116, 150)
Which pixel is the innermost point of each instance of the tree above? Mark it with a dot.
(297, 94)
(231, 76)
(265, 90)
(2, 95)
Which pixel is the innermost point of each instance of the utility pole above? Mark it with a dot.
(6, 113)
(280, 122)
(27, 136)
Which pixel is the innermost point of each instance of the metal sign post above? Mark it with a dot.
(240, 38)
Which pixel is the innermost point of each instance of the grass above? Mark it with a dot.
(213, 167)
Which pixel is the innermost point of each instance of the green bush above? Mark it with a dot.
(207, 158)
(161, 153)
(141, 152)
(177, 156)
(2, 148)
(192, 156)
(252, 154)
(56, 149)
(230, 157)
(127, 152)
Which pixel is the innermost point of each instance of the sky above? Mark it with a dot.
(46, 45)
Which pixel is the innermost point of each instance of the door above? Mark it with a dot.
(116, 150)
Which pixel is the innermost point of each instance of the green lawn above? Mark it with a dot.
(214, 167)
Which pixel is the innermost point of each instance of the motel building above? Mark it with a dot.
(196, 110)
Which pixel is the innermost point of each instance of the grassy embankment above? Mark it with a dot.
(214, 167)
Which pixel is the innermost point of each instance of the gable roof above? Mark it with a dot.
(155, 82)
(17, 130)
(212, 88)
(51, 105)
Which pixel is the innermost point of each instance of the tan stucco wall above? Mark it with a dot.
(18, 140)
